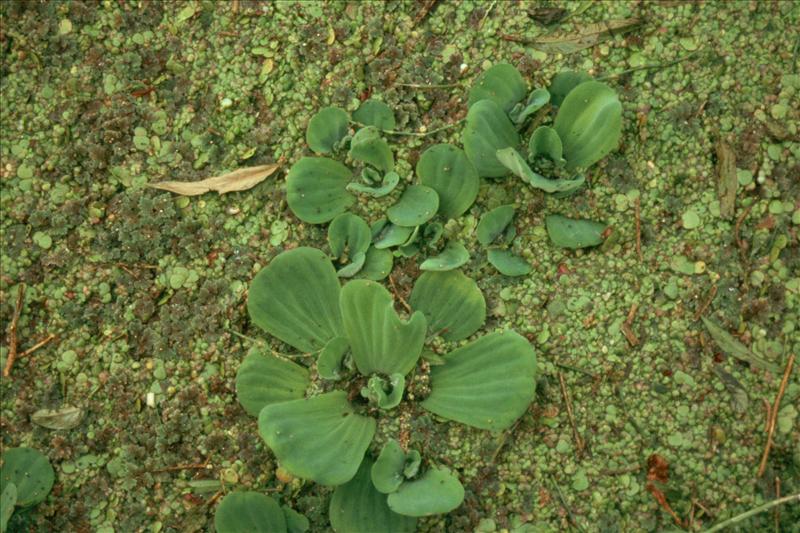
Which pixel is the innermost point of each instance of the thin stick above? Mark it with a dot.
(754, 511)
(480, 24)
(768, 408)
(427, 86)
(633, 340)
(38, 345)
(568, 403)
(712, 293)
(12, 331)
(774, 415)
(565, 506)
(402, 300)
(638, 230)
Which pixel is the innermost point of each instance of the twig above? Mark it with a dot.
(647, 67)
(565, 506)
(768, 408)
(637, 207)
(568, 403)
(12, 331)
(754, 511)
(711, 294)
(402, 300)
(774, 415)
(427, 86)
(633, 340)
(38, 345)
(489, 10)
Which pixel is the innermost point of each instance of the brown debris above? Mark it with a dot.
(12, 331)
(774, 415)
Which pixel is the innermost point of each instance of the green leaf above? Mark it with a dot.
(380, 341)
(296, 299)
(589, 123)
(536, 100)
(563, 83)
(7, 502)
(329, 362)
(486, 384)
(519, 167)
(348, 234)
(316, 189)
(546, 142)
(494, 223)
(417, 205)
(574, 233)
(488, 129)
(502, 84)
(728, 344)
(392, 235)
(369, 147)
(377, 265)
(356, 507)
(263, 379)
(508, 263)
(387, 472)
(295, 522)
(375, 113)
(249, 512)
(437, 491)
(447, 170)
(452, 303)
(413, 460)
(383, 394)
(353, 267)
(326, 129)
(453, 256)
(30, 471)
(390, 181)
(321, 438)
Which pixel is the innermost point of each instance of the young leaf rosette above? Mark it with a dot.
(363, 350)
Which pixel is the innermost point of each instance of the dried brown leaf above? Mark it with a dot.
(586, 36)
(238, 180)
(64, 418)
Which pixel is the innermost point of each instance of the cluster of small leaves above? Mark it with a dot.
(25, 480)
(587, 126)
(358, 338)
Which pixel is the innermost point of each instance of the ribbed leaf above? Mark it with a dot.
(589, 123)
(249, 512)
(437, 491)
(375, 113)
(488, 129)
(380, 341)
(545, 141)
(453, 304)
(357, 507)
(574, 233)
(417, 205)
(329, 362)
(446, 169)
(486, 384)
(316, 189)
(325, 129)
(263, 379)
(453, 256)
(563, 83)
(502, 84)
(348, 233)
(296, 299)
(368, 146)
(508, 263)
(387, 472)
(321, 438)
(519, 167)
(494, 223)
(30, 471)
(377, 265)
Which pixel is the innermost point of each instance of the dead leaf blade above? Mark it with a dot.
(65, 418)
(238, 180)
(586, 36)
(728, 344)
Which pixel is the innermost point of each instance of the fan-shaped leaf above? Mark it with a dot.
(329, 362)
(326, 129)
(375, 113)
(321, 438)
(519, 167)
(392, 235)
(494, 223)
(507, 263)
(417, 205)
(574, 233)
(563, 83)
(452, 303)
(368, 146)
(382, 393)
(356, 507)
(353, 267)
(263, 379)
(387, 472)
(589, 123)
(390, 181)
(348, 233)
(30, 471)
(249, 512)
(316, 189)
(536, 100)
(437, 491)
(546, 142)
(453, 256)
(447, 170)
(502, 84)
(380, 341)
(377, 265)
(295, 522)
(486, 384)
(296, 299)
(488, 129)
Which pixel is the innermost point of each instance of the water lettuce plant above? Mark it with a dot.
(320, 421)
(26, 479)
(253, 512)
